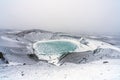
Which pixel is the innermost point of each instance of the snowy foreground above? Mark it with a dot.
(98, 57)
(97, 70)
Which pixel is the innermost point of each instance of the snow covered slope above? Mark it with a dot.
(22, 43)
(94, 60)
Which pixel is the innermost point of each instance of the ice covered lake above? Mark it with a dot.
(53, 49)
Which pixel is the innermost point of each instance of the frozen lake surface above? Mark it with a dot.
(54, 49)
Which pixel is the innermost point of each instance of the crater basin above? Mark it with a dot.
(54, 50)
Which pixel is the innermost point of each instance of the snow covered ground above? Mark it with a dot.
(98, 70)
(98, 58)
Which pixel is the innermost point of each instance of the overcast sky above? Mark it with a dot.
(61, 15)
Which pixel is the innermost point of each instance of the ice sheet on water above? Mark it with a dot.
(53, 49)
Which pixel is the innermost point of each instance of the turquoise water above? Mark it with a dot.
(55, 47)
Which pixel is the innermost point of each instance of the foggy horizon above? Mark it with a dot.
(74, 16)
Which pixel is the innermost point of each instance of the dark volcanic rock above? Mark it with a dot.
(3, 58)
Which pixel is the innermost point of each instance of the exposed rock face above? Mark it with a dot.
(3, 58)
